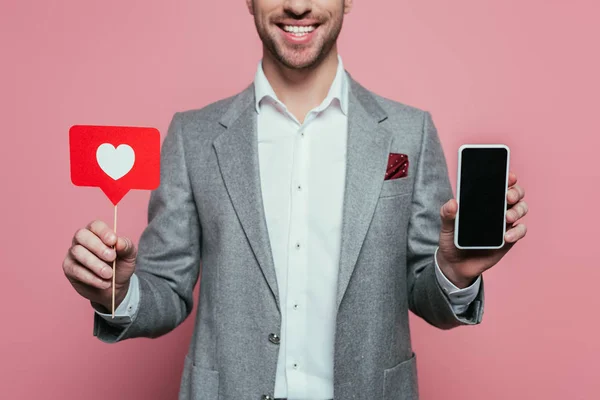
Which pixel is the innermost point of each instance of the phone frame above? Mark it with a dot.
(480, 146)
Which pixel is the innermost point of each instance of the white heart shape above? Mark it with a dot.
(116, 163)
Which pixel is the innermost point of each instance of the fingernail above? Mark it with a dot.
(106, 272)
(107, 253)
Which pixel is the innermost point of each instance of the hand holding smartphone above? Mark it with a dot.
(481, 196)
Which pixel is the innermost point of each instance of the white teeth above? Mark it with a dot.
(298, 29)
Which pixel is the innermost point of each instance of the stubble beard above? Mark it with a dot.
(294, 56)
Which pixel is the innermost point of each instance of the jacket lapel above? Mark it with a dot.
(237, 154)
(366, 161)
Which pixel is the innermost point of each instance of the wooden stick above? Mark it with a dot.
(114, 272)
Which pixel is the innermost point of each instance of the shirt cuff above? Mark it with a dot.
(460, 299)
(128, 307)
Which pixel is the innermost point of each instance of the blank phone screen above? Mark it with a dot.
(482, 197)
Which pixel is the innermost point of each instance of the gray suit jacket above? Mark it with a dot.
(207, 216)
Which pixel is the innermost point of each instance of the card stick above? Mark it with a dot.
(114, 266)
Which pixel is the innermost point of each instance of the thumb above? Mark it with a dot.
(448, 215)
(126, 250)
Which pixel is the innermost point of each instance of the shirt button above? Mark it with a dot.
(297, 245)
(302, 134)
(299, 187)
(296, 306)
(274, 338)
(295, 366)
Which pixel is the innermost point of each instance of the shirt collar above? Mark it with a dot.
(338, 89)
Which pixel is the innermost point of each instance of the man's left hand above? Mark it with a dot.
(462, 267)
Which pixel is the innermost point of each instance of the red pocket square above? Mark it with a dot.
(397, 166)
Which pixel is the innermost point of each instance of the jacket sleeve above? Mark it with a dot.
(432, 189)
(169, 253)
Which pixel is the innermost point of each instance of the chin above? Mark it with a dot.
(298, 59)
(299, 63)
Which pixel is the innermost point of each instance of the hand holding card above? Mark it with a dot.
(115, 159)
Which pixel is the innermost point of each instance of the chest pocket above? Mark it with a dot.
(396, 187)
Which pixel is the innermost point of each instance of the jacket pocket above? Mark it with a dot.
(396, 187)
(198, 383)
(400, 381)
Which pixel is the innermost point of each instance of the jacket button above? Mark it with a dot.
(273, 338)
(267, 397)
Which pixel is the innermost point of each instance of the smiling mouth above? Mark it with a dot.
(298, 31)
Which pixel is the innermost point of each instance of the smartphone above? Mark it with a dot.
(481, 196)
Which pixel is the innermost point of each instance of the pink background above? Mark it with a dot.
(524, 73)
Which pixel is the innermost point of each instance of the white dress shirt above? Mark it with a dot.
(302, 172)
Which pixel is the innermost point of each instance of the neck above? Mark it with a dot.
(301, 90)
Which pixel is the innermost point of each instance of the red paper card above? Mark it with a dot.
(115, 158)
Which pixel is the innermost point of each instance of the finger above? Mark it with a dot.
(515, 194)
(100, 229)
(92, 242)
(125, 249)
(512, 178)
(88, 260)
(448, 215)
(516, 233)
(517, 211)
(77, 272)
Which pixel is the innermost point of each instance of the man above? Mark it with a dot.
(310, 257)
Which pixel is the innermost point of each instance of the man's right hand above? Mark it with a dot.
(88, 265)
